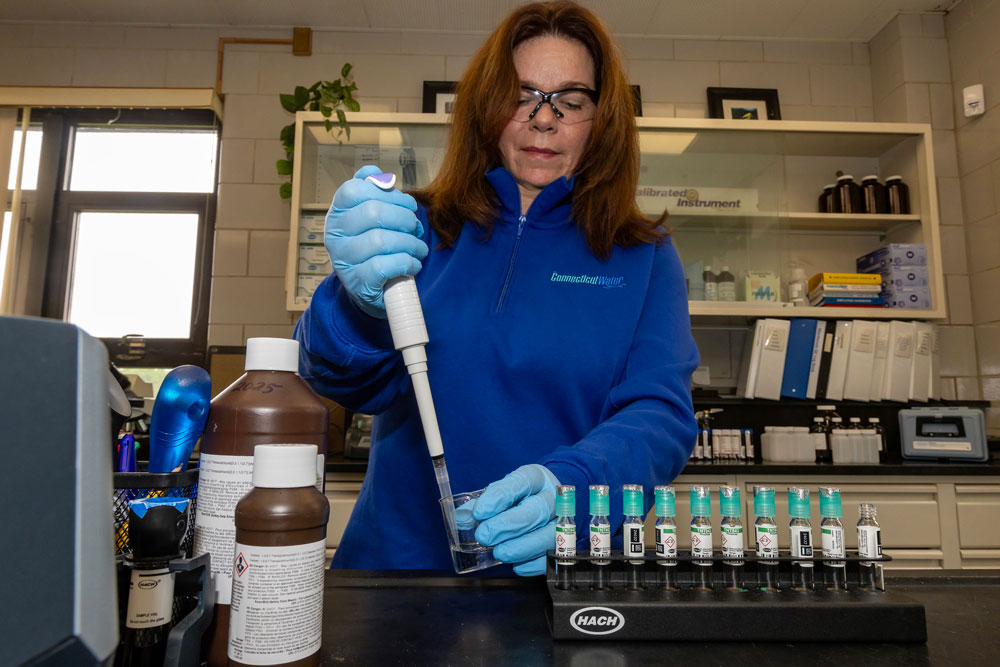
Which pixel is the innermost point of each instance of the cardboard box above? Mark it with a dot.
(908, 297)
(897, 277)
(893, 255)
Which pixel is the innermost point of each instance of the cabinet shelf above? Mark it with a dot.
(753, 310)
(795, 220)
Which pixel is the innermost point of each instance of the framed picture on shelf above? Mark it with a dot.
(744, 103)
(439, 96)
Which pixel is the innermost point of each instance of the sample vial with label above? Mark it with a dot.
(732, 536)
(633, 534)
(801, 540)
(278, 571)
(766, 536)
(832, 537)
(565, 535)
(600, 535)
(701, 535)
(666, 535)
(869, 541)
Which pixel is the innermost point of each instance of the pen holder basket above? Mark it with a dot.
(129, 486)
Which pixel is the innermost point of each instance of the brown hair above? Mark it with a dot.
(608, 172)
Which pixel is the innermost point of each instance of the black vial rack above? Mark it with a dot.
(727, 599)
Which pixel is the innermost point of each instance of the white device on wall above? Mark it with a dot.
(974, 100)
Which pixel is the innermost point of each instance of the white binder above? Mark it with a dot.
(751, 357)
(771, 367)
(860, 359)
(878, 362)
(899, 362)
(934, 390)
(838, 362)
(923, 347)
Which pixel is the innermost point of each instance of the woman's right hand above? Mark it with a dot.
(372, 236)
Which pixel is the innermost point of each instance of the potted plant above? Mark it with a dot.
(330, 98)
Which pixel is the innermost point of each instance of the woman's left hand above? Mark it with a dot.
(518, 518)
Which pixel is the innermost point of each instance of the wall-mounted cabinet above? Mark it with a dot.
(740, 194)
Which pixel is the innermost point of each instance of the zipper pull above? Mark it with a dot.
(520, 225)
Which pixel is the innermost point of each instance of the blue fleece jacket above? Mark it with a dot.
(539, 353)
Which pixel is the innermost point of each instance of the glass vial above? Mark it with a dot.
(732, 536)
(565, 535)
(633, 535)
(666, 537)
(832, 538)
(801, 542)
(869, 542)
(766, 537)
(701, 536)
(600, 536)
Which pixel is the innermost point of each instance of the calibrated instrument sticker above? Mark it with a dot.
(597, 620)
(565, 540)
(701, 541)
(832, 538)
(945, 445)
(150, 598)
(869, 541)
(277, 603)
(634, 539)
(222, 481)
(767, 542)
(732, 541)
(666, 541)
(600, 540)
(801, 543)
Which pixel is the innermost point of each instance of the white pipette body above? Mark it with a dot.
(409, 336)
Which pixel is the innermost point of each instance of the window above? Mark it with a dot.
(130, 252)
(29, 181)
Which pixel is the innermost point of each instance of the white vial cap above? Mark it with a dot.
(284, 466)
(272, 354)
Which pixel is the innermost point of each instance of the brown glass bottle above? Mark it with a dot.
(283, 515)
(270, 403)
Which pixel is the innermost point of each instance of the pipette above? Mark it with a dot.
(409, 335)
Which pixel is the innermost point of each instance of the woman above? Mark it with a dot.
(560, 343)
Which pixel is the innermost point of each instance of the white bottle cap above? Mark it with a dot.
(725, 268)
(869, 177)
(893, 178)
(284, 466)
(708, 267)
(272, 354)
(845, 177)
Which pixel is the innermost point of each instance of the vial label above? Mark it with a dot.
(150, 598)
(767, 541)
(277, 603)
(701, 541)
(727, 291)
(666, 541)
(565, 540)
(635, 539)
(833, 542)
(801, 542)
(600, 540)
(222, 481)
(732, 541)
(869, 541)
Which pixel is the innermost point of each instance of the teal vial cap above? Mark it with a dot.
(565, 500)
(829, 502)
(798, 502)
(701, 501)
(666, 502)
(729, 501)
(763, 501)
(600, 505)
(632, 500)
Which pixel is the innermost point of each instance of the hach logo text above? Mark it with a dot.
(597, 620)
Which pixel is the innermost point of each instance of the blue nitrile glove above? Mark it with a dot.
(518, 515)
(372, 236)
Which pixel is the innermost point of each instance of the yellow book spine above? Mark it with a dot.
(845, 278)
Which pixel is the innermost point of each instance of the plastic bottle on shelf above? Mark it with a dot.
(874, 424)
(797, 287)
(817, 433)
(711, 284)
(828, 414)
(726, 285)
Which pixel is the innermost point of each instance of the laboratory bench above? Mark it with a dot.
(429, 618)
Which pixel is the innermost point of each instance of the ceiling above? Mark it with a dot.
(858, 20)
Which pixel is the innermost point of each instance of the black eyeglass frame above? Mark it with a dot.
(547, 98)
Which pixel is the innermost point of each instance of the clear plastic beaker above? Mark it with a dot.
(467, 555)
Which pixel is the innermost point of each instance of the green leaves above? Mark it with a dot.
(327, 97)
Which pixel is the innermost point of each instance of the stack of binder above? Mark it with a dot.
(856, 360)
(856, 290)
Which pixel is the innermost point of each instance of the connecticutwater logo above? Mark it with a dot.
(597, 620)
(583, 279)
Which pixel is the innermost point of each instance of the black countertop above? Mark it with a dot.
(420, 618)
